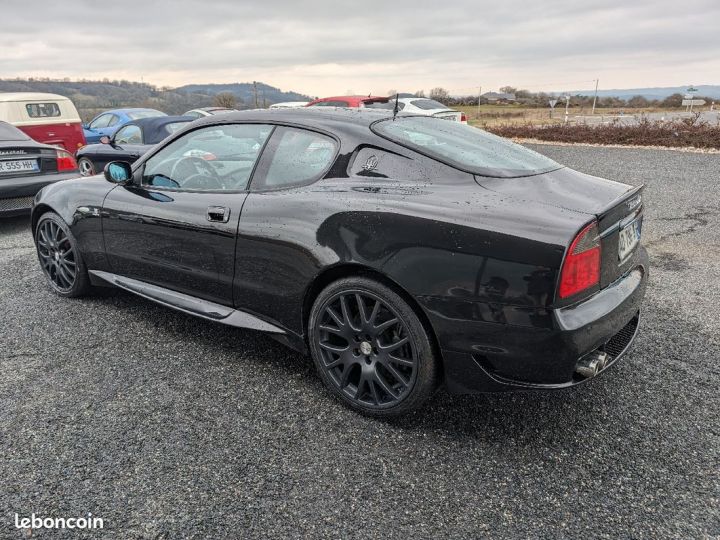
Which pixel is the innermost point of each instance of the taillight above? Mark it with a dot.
(66, 161)
(463, 118)
(581, 268)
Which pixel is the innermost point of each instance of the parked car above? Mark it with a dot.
(107, 123)
(46, 118)
(129, 142)
(208, 111)
(400, 253)
(427, 107)
(348, 101)
(26, 166)
(289, 105)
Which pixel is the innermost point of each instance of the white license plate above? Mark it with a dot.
(629, 238)
(19, 165)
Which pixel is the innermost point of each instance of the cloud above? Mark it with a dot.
(322, 47)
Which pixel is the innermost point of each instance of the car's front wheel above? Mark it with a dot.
(60, 258)
(86, 167)
(370, 348)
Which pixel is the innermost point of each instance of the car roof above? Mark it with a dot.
(152, 128)
(320, 117)
(30, 96)
(128, 110)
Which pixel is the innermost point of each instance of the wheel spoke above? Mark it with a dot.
(385, 386)
(393, 346)
(394, 372)
(400, 361)
(333, 348)
(361, 308)
(335, 316)
(373, 391)
(347, 316)
(380, 328)
(373, 314)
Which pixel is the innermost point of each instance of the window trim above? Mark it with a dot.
(271, 146)
(138, 170)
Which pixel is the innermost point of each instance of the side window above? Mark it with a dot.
(298, 157)
(100, 121)
(129, 135)
(208, 159)
(113, 120)
(375, 163)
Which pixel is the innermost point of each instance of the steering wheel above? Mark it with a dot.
(198, 173)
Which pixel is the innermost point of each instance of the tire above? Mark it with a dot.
(86, 167)
(60, 258)
(370, 348)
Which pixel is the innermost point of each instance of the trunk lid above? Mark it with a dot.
(12, 155)
(614, 205)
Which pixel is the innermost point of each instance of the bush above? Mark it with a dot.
(677, 133)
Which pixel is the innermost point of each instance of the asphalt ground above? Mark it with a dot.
(167, 426)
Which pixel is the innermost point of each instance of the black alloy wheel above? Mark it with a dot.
(59, 257)
(370, 348)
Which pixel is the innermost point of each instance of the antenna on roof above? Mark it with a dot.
(397, 106)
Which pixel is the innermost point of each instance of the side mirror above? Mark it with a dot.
(118, 172)
(86, 126)
(105, 139)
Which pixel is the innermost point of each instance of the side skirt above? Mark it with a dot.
(189, 304)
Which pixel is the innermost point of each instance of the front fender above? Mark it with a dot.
(78, 202)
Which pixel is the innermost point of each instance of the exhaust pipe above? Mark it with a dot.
(592, 364)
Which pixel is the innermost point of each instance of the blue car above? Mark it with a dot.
(108, 122)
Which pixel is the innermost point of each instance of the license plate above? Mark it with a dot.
(629, 238)
(19, 165)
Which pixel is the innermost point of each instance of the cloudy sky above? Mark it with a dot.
(325, 47)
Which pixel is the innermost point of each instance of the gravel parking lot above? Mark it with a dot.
(167, 426)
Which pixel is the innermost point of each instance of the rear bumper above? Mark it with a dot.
(16, 194)
(505, 357)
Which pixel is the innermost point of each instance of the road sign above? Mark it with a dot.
(693, 102)
(552, 103)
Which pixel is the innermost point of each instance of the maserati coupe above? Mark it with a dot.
(401, 252)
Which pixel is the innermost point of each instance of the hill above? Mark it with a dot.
(706, 90)
(92, 97)
(245, 92)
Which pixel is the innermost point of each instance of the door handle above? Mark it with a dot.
(220, 214)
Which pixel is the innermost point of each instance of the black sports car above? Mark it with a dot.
(400, 253)
(129, 142)
(25, 167)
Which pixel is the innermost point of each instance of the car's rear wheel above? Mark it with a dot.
(86, 167)
(370, 348)
(60, 258)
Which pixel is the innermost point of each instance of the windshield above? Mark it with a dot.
(136, 115)
(464, 147)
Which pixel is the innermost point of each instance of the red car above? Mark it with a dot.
(348, 101)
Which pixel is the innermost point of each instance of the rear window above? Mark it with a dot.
(11, 133)
(464, 147)
(136, 115)
(42, 110)
(428, 104)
